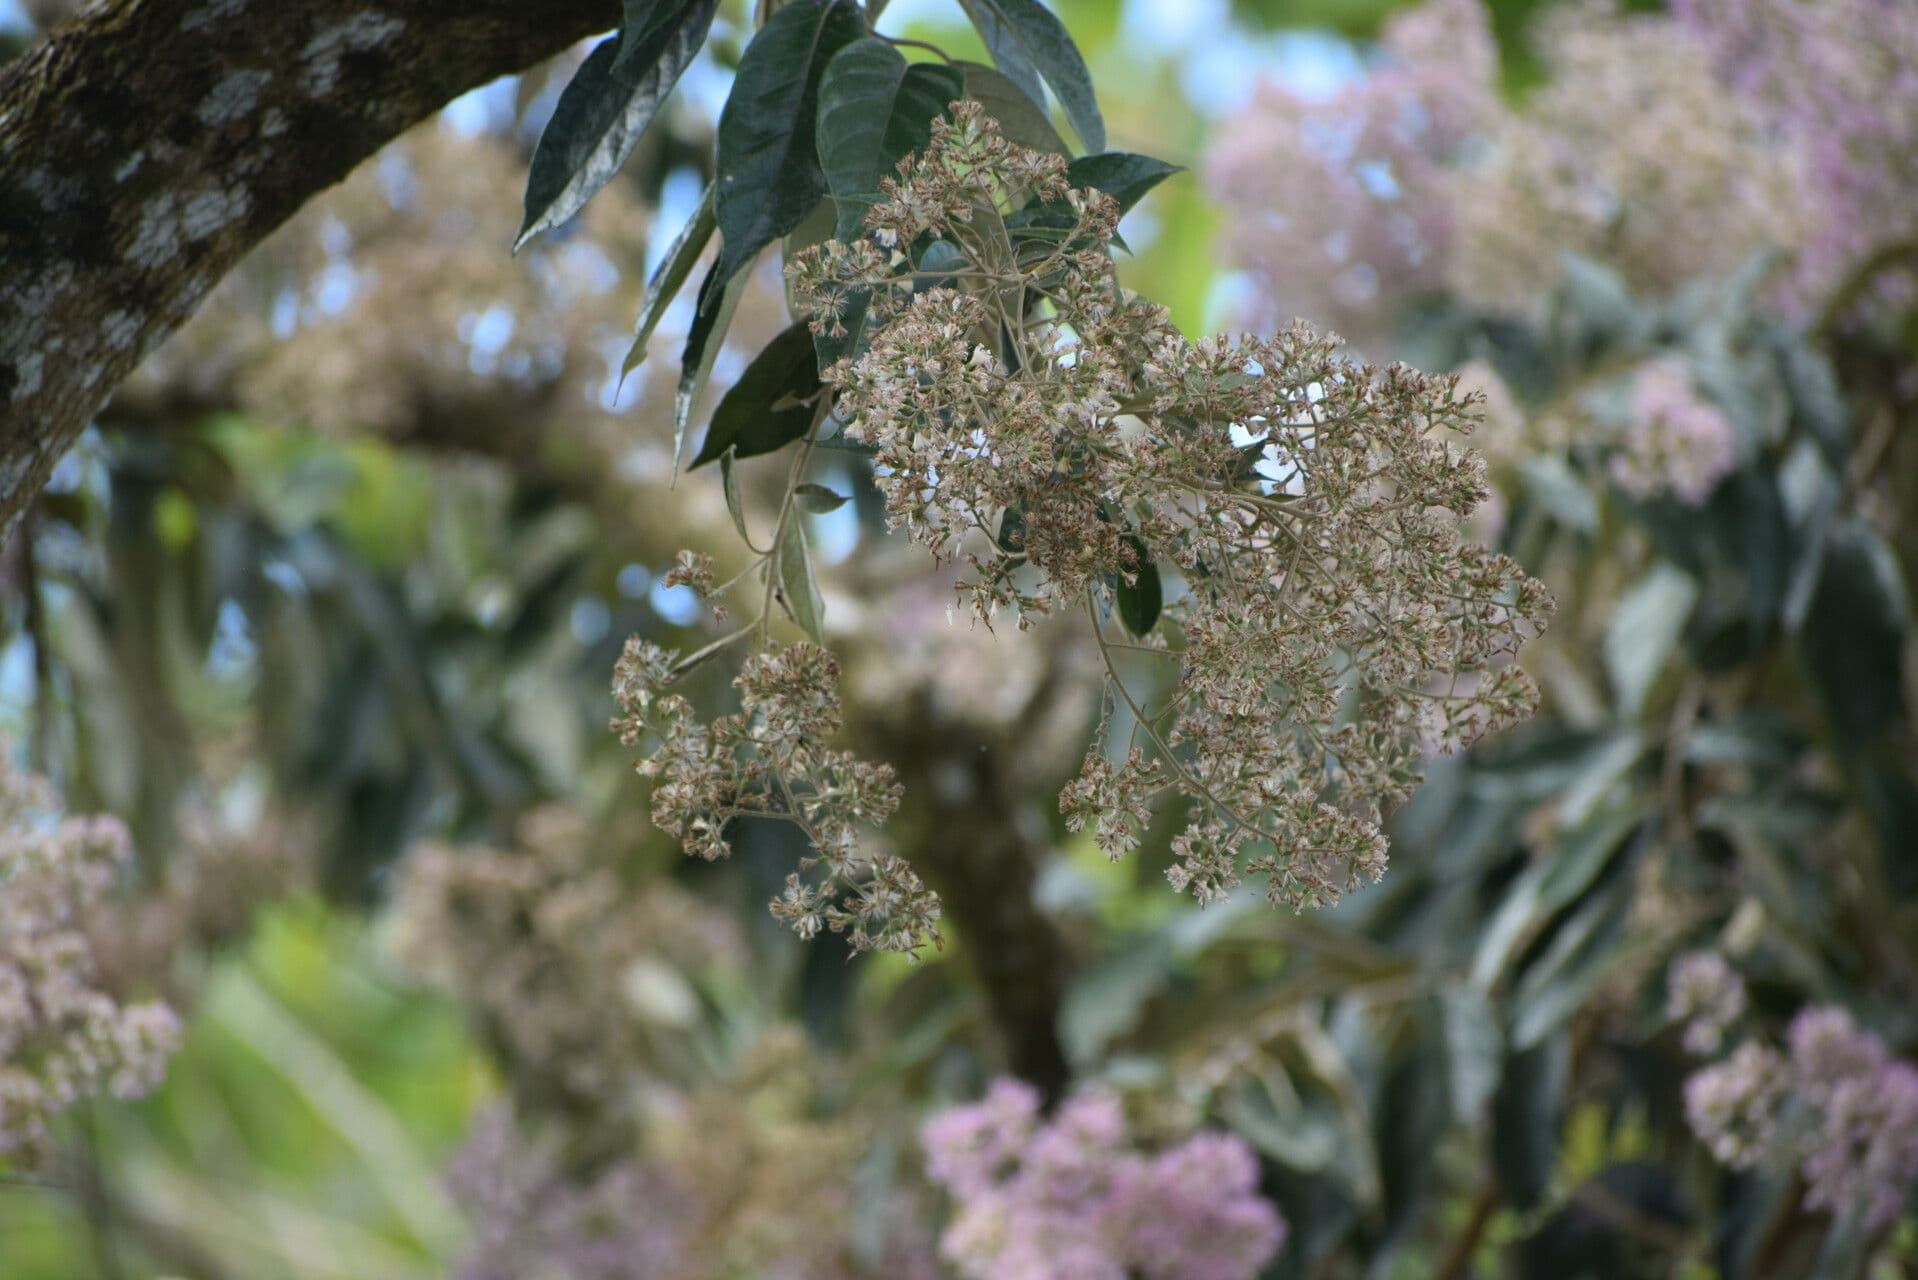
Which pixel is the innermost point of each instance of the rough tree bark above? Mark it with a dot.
(147, 145)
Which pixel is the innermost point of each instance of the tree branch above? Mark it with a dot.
(147, 145)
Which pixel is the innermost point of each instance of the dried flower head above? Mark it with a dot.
(772, 759)
(62, 1038)
(1032, 420)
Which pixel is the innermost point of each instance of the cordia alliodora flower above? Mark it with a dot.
(1707, 996)
(1340, 205)
(1418, 177)
(62, 1038)
(1837, 1108)
(1677, 442)
(1070, 1197)
(772, 759)
(1326, 620)
(1837, 79)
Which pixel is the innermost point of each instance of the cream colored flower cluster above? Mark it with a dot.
(1297, 512)
(62, 1038)
(772, 759)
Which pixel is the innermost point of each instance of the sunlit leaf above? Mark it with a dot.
(610, 101)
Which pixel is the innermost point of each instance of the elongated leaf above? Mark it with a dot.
(873, 109)
(797, 584)
(769, 174)
(1018, 117)
(1644, 633)
(1141, 599)
(603, 112)
(766, 410)
(718, 298)
(735, 505)
(1025, 35)
(1008, 54)
(668, 278)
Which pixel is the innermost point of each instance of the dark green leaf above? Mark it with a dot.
(766, 409)
(1120, 174)
(718, 299)
(668, 278)
(603, 112)
(1123, 175)
(1141, 599)
(1526, 1113)
(1852, 636)
(1024, 35)
(818, 499)
(873, 109)
(1018, 118)
(1007, 53)
(769, 175)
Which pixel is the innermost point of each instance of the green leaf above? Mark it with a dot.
(1123, 175)
(767, 408)
(1644, 631)
(1007, 53)
(735, 506)
(668, 278)
(818, 499)
(1025, 36)
(1527, 1111)
(718, 298)
(1853, 633)
(1141, 599)
(769, 174)
(874, 108)
(1120, 174)
(1579, 953)
(1473, 1049)
(602, 113)
(798, 586)
(1017, 116)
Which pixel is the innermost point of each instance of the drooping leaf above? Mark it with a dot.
(718, 298)
(1008, 54)
(1016, 114)
(735, 505)
(668, 278)
(874, 108)
(1025, 36)
(769, 175)
(818, 499)
(1141, 599)
(604, 110)
(797, 584)
(769, 407)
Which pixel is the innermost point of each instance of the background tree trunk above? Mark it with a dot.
(147, 145)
